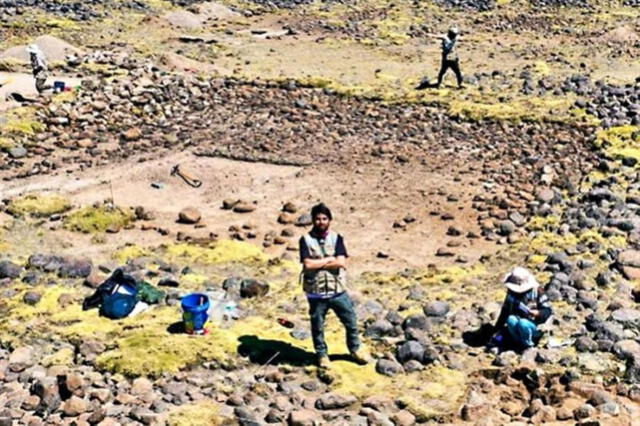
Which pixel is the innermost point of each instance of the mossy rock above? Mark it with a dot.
(6, 144)
(36, 205)
(98, 219)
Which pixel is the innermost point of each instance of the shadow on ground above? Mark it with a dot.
(478, 338)
(274, 352)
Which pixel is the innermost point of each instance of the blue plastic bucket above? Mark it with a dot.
(194, 315)
(58, 86)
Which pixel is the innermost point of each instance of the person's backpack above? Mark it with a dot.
(116, 297)
(118, 305)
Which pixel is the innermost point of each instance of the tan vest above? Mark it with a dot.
(323, 281)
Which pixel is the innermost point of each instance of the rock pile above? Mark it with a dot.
(614, 105)
(76, 10)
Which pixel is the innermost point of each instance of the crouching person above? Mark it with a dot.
(324, 258)
(524, 308)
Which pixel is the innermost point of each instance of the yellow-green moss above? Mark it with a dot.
(97, 219)
(445, 388)
(6, 144)
(63, 23)
(618, 142)
(541, 68)
(546, 223)
(22, 121)
(127, 253)
(10, 65)
(62, 357)
(63, 97)
(521, 109)
(225, 251)
(39, 205)
(102, 69)
(200, 413)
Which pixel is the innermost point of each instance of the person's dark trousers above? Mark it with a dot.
(455, 67)
(343, 308)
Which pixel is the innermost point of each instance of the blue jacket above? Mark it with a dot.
(521, 305)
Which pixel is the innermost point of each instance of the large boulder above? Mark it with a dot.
(54, 48)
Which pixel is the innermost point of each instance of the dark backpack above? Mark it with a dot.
(118, 305)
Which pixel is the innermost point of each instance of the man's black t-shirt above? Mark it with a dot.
(341, 250)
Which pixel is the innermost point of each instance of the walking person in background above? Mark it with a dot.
(324, 259)
(450, 59)
(38, 67)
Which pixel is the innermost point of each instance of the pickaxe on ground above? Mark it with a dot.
(190, 180)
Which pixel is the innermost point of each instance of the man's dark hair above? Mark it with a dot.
(321, 209)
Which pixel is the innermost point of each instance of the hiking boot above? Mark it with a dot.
(424, 84)
(360, 357)
(325, 376)
(324, 363)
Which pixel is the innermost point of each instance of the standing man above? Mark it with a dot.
(38, 66)
(324, 259)
(449, 58)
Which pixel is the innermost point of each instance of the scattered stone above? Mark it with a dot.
(333, 401)
(388, 368)
(253, 288)
(75, 406)
(229, 203)
(302, 418)
(436, 309)
(289, 207)
(304, 220)
(9, 270)
(243, 207)
(189, 215)
(32, 298)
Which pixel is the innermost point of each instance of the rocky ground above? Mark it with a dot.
(274, 106)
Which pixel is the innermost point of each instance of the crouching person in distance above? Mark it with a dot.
(524, 308)
(324, 259)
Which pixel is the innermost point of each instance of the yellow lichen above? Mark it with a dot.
(98, 219)
(39, 205)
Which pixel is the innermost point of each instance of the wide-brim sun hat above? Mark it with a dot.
(520, 280)
(33, 48)
(454, 30)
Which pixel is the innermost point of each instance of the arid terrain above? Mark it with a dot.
(274, 106)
